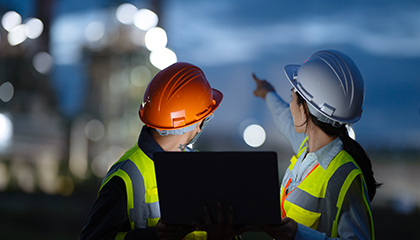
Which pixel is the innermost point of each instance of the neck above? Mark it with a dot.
(171, 143)
(317, 139)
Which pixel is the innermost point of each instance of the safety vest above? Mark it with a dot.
(142, 197)
(317, 201)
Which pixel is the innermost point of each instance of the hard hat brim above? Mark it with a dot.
(290, 71)
(217, 96)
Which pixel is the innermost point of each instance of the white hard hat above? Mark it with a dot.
(331, 84)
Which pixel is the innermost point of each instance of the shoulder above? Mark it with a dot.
(114, 187)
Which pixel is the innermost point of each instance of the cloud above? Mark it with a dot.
(208, 37)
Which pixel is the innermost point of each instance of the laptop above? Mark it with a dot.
(246, 180)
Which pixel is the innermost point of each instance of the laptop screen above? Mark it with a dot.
(246, 180)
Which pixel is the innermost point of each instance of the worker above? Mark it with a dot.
(177, 105)
(328, 187)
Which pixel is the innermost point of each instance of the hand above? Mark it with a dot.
(263, 87)
(221, 230)
(286, 231)
(172, 231)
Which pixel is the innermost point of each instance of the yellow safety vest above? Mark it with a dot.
(317, 201)
(142, 197)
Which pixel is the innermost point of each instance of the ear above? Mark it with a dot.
(304, 110)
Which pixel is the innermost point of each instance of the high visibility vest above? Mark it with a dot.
(317, 201)
(142, 197)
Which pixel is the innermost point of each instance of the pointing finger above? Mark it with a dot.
(256, 79)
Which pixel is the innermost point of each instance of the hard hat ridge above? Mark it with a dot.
(331, 84)
(177, 97)
(178, 81)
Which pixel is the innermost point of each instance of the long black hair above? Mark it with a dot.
(349, 145)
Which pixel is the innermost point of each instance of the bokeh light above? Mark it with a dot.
(17, 35)
(162, 58)
(10, 20)
(102, 163)
(47, 166)
(156, 39)
(6, 92)
(33, 28)
(125, 13)
(145, 19)
(351, 132)
(94, 31)
(100, 166)
(140, 76)
(6, 131)
(78, 147)
(94, 130)
(24, 175)
(254, 135)
(43, 62)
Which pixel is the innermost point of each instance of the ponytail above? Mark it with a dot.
(350, 146)
(355, 150)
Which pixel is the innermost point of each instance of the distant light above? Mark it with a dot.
(17, 35)
(145, 19)
(23, 173)
(6, 91)
(156, 39)
(136, 36)
(134, 125)
(125, 13)
(94, 31)
(6, 131)
(47, 170)
(34, 28)
(254, 135)
(100, 166)
(78, 148)
(351, 132)
(94, 130)
(103, 162)
(140, 76)
(10, 20)
(43, 62)
(162, 58)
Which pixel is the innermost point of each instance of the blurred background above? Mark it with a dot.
(73, 74)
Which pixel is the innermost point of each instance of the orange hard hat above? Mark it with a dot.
(177, 97)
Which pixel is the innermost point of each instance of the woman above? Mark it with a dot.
(329, 184)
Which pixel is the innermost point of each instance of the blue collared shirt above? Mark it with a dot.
(353, 222)
(307, 161)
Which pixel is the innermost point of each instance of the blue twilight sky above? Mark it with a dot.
(231, 39)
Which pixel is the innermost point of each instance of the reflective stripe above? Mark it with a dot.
(143, 207)
(326, 205)
(154, 209)
(138, 194)
(129, 191)
(304, 200)
(316, 202)
(110, 174)
(329, 207)
(142, 197)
